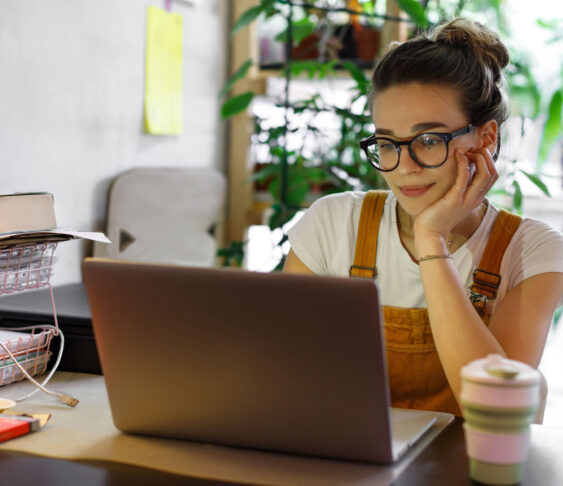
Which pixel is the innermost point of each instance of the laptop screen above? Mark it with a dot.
(288, 363)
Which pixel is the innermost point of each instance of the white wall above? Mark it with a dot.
(71, 103)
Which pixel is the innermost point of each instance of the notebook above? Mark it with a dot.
(268, 361)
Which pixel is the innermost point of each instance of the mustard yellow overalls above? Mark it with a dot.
(416, 377)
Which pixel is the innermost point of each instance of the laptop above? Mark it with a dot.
(268, 361)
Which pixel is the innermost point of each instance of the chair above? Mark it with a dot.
(164, 215)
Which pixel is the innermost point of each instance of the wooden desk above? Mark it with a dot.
(25, 470)
(443, 462)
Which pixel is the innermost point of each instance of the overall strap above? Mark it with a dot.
(368, 231)
(486, 277)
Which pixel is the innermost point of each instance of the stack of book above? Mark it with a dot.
(29, 218)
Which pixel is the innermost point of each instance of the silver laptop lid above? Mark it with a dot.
(288, 363)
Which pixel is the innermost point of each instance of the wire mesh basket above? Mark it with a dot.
(31, 351)
(25, 267)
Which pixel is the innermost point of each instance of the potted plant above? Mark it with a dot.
(296, 175)
(367, 30)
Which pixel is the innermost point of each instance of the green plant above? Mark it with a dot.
(232, 255)
(530, 99)
(295, 175)
(557, 315)
(553, 129)
(315, 166)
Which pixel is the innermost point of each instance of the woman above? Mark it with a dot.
(438, 108)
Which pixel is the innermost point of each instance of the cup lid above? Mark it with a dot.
(495, 369)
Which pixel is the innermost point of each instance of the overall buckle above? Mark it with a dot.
(373, 275)
(485, 284)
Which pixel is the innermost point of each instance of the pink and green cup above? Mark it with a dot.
(500, 398)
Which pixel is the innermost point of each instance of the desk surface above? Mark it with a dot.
(83, 443)
(443, 462)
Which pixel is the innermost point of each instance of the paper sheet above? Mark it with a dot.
(163, 83)
(44, 236)
(87, 432)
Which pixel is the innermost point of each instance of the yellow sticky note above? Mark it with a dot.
(163, 72)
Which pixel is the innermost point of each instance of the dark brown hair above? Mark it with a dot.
(462, 54)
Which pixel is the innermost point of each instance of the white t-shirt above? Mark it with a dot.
(325, 239)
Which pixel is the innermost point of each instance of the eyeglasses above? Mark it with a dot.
(429, 150)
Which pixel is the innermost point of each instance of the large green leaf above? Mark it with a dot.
(233, 254)
(269, 170)
(326, 67)
(557, 315)
(313, 68)
(368, 7)
(240, 73)
(517, 197)
(553, 128)
(525, 100)
(537, 181)
(297, 189)
(280, 216)
(250, 15)
(358, 75)
(300, 29)
(297, 67)
(299, 180)
(317, 174)
(547, 23)
(414, 10)
(236, 104)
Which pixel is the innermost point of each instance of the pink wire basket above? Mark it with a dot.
(26, 267)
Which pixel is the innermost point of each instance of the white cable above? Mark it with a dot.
(62, 397)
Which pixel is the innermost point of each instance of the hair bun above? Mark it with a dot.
(474, 36)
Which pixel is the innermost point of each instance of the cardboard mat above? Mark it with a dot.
(87, 433)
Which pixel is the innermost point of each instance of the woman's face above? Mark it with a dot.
(401, 112)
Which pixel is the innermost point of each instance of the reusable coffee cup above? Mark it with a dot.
(499, 398)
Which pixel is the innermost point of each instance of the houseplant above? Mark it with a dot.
(296, 174)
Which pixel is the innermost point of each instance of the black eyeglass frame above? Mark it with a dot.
(446, 137)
